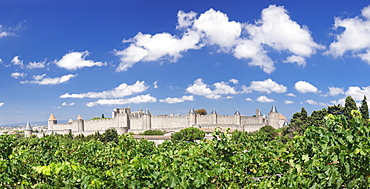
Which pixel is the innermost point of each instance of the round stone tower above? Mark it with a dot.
(28, 130)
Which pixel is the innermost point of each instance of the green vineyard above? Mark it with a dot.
(336, 155)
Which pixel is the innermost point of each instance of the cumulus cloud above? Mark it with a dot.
(33, 65)
(355, 37)
(268, 86)
(264, 99)
(202, 89)
(18, 75)
(249, 49)
(17, 62)
(121, 91)
(1, 104)
(275, 31)
(76, 60)
(133, 100)
(146, 47)
(334, 91)
(305, 87)
(248, 99)
(296, 59)
(185, 19)
(312, 102)
(288, 101)
(358, 93)
(184, 98)
(217, 28)
(290, 94)
(340, 101)
(39, 79)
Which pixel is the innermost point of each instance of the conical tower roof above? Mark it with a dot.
(79, 117)
(214, 111)
(273, 109)
(147, 112)
(70, 121)
(192, 111)
(237, 112)
(52, 117)
(28, 127)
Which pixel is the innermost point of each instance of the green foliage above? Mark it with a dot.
(350, 105)
(201, 111)
(334, 155)
(364, 109)
(188, 134)
(153, 132)
(268, 130)
(109, 135)
(97, 118)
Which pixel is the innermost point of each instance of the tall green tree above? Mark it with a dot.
(349, 105)
(364, 109)
(304, 114)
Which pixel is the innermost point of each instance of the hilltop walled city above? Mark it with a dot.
(125, 121)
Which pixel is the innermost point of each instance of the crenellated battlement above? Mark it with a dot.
(123, 120)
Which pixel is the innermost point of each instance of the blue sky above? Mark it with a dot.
(89, 57)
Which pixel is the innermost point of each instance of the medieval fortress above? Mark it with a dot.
(124, 121)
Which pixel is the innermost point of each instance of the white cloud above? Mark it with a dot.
(340, 101)
(146, 47)
(296, 59)
(39, 79)
(217, 28)
(249, 49)
(358, 93)
(290, 94)
(134, 100)
(155, 85)
(68, 104)
(305, 87)
(76, 60)
(312, 102)
(202, 89)
(234, 81)
(264, 99)
(18, 75)
(120, 91)
(177, 100)
(277, 30)
(33, 65)
(185, 19)
(334, 91)
(17, 62)
(248, 99)
(1, 104)
(355, 37)
(268, 86)
(288, 101)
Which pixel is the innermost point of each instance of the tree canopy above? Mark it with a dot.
(188, 134)
(364, 109)
(201, 111)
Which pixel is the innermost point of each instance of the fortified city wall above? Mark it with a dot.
(123, 120)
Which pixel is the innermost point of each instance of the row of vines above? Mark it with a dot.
(334, 156)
